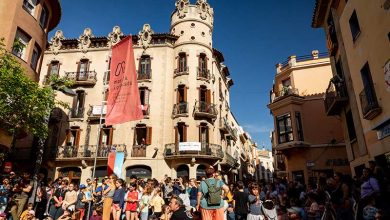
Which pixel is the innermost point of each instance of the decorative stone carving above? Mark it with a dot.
(55, 41)
(115, 36)
(85, 40)
(203, 8)
(182, 7)
(145, 36)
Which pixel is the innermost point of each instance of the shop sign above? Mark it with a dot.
(189, 146)
(310, 164)
(383, 131)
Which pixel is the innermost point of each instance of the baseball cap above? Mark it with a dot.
(82, 186)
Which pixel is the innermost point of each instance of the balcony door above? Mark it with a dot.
(204, 99)
(144, 67)
(181, 99)
(83, 69)
(203, 133)
(78, 104)
(182, 63)
(180, 135)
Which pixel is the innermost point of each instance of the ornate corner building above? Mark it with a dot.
(184, 92)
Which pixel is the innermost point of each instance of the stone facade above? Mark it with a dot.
(184, 91)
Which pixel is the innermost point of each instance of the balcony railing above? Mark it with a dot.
(96, 110)
(144, 75)
(82, 78)
(204, 109)
(203, 74)
(211, 151)
(229, 160)
(369, 103)
(138, 151)
(180, 109)
(286, 91)
(88, 151)
(335, 98)
(225, 126)
(181, 71)
(76, 113)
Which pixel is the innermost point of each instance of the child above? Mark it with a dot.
(25, 213)
(166, 213)
(67, 215)
(157, 202)
(255, 212)
(313, 212)
(131, 202)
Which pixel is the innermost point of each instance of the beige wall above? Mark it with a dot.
(162, 94)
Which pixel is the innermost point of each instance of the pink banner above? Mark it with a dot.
(111, 163)
(123, 98)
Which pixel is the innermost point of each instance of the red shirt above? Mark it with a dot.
(132, 206)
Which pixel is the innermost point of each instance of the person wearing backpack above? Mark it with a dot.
(209, 201)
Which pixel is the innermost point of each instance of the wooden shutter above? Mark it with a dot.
(200, 133)
(146, 96)
(78, 132)
(176, 140)
(49, 69)
(178, 95)
(68, 133)
(148, 135)
(111, 132)
(82, 99)
(101, 136)
(207, 134)
(135, 136)
(185, 93)
(208, 96)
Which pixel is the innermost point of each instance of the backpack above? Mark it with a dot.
(213, 197)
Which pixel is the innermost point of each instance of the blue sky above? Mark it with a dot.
(253, 35)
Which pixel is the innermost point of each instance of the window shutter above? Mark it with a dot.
(78, 66)
(49, 69)
(207, 134)
(208, 96)
(178, 95)
(110, 136)
(147, 96)
(101, 136)
(82, 99)
(185, 133)
(200, 133)
(148, 135)
(185, 93)
(68, 133)
(135, 136)
(75, 100)
(176, 140)
(78, 137)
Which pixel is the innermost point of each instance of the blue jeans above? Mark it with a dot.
(144, 215)
(193, 203)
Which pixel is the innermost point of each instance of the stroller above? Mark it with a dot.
(269, 210)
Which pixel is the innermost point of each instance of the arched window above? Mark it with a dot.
(201, 172)
(183, 172)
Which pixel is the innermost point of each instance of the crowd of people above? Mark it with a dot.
(210, 198)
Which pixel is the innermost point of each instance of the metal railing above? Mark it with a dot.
(180, 108)
(89, 151)
(368, 100)
(144, 75)
(229, 159)
(76, 113)
(207, 108)
(333, 93)
(89, 76)
(203, 73)
(181, 71)
(139, 150)
(207, 150)
(286, 91)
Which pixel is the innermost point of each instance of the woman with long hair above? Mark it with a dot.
(108, 195)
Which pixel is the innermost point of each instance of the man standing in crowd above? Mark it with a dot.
(207, 202)
(178, 210)
(22, 191)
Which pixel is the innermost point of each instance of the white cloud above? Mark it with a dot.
(252, 128)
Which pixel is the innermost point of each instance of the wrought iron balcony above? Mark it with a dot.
(86, 78)
(286, 91)
(180, 109)
(144, 75)
(369, 103)
(335, 98)
(181, 71)
(95, 111)
(203, 74)
(229, 160)
(88, 151)
(204, 109)
(76, 113)
(208, 151)
(139, 151)
(225, 127)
